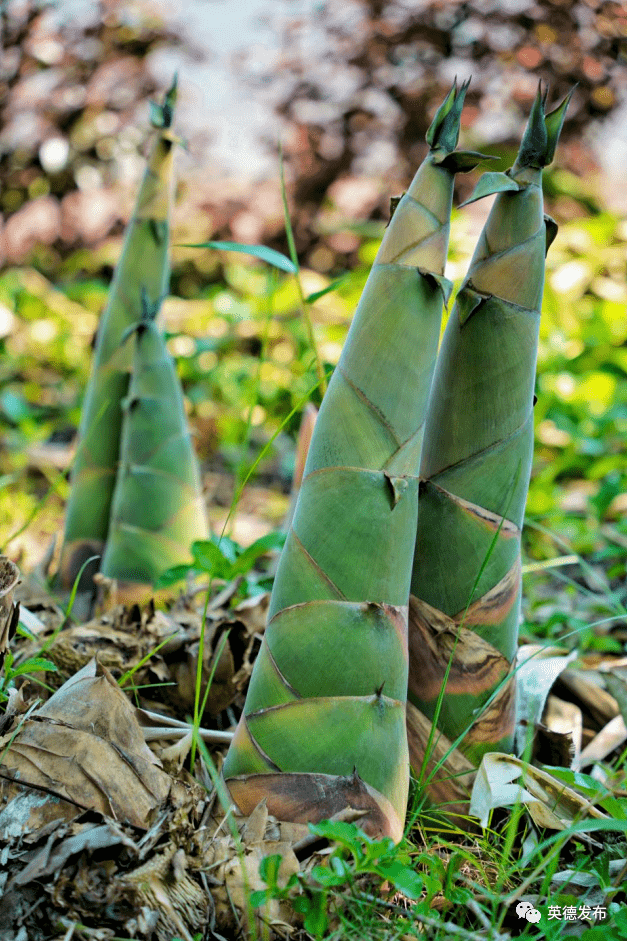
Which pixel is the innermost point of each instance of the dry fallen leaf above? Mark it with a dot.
(85, 746)
(591, 696)
(120, 638)
(611, 736)
(503, 780)
(169, 902)
(234, 869)
(243, 624)
(9, 613)
(125, 635)
(558, 737)
(538, 667)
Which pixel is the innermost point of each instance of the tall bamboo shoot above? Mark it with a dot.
(323, 726)
(157, 510)
(476, 462)
(144, 267)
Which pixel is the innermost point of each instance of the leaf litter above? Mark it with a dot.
(105, 833)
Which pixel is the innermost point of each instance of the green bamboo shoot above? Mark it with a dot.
(157, 510)
(323, 726)
(144, 266)
(476, 462)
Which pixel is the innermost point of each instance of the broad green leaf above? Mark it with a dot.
(209, 558)
(583, 782)
(346, 834)
(492, 182)
(403, 878)
(269, 869)
(340, 868)
(227, 546)
(261, 546)
(300, 904)
(316, 921)
(172, 575)
(36, 665)
(269, 255)
(23, 631)
(326, 878)
(259, 898)
(615, 806)
(384, 847)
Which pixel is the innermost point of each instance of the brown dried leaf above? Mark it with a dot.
(253, 612)
(234, 667)
(32, 813)
(234, 865)
(18, 702)
(90, 836)
(119, 639)
(558, 739)
(85, 746)
(603, 744)
(170, 903)
(617, 687)
(538, 669)
(9, 577)
(503, 780)
(592, 698)
(126, 635)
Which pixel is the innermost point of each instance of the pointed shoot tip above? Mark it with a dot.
(537, 148)
(443, 134)
(161, 116)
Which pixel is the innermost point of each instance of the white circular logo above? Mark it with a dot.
(526, 910)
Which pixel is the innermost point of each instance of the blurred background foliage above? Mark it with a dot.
(352, 87)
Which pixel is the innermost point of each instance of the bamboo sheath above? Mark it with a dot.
(476, 461)
(323, 726)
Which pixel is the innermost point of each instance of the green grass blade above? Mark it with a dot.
(270, 255)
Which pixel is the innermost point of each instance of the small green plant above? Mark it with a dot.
(10, 673)
(356, 855)
(221, 557)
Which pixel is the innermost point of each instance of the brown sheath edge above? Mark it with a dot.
(310, 798)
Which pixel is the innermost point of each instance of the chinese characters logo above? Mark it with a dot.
(566, 912)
